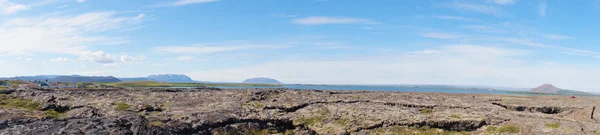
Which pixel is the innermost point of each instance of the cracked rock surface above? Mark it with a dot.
(285, 111)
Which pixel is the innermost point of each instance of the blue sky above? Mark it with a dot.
(515, 43)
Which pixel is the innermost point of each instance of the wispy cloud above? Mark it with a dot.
(205, 49)
(322, 20)
(485, 9)
(60, 59)
(185, 58)
(97, 56)
(558, 37)
(127, 58)
(80, 1)
(187, 2)
(111, 65)
(455, 18)
(63, 6)
(8, 7)
(440, 35)
(495, 28)
(503, 2)
(542, 8)
(62, 34)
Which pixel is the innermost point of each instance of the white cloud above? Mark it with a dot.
(60, 59)
(63, 6)
(542, 8)
(61, 34)
(7, 7)
(1, 63)
(322, 20)
(185, 58)
(111, 65)
(203, 49)
(440, 35)
(187, 2)
(485, 9)
(80, 1)
(451, 64)
(503, 2)
(127, 58)
(97, 56)
(29, 59)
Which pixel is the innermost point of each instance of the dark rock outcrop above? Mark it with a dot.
(282, 111)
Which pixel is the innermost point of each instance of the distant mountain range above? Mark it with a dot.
(64, 78)
(173, 78)
(170, 78)
(261, 80)
(104, 79)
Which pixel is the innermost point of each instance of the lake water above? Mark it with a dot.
(382, 88)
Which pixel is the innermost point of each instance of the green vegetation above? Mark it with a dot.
(10, 102)
(455, 116)
(52, 114)
(425, 130)
(425, 111)
(256, 105)
(316, 118)
(491, 130)
(553, 125)
(156, 123)
(163, 84)
(502, 129)
(122, 106)
(310, 121)
(16, 82)
(508, 129)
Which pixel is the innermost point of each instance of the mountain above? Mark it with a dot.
(174, 78)
(85, 79)
(136, 79)
(261, 80)
(546, 88)
(34, 78)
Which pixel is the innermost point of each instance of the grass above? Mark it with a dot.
(16, 82)
(310, 121)
(156, 123)
(508, 129)
(502, 129)
(425, 111)
(256, 105)
(10, 102)
(122, 106)
(553, 125)
(53, 114)
(455, 116)
(425, 130)
(491, 130)
(163, 84)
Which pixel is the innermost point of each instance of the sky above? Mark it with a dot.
(511, 43)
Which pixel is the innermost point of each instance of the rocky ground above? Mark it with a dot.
(283, 111)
